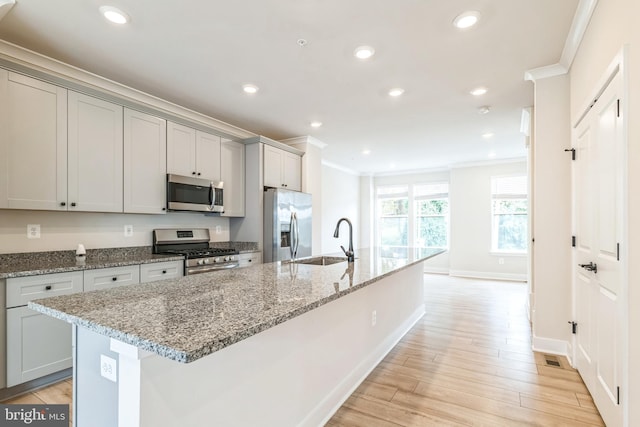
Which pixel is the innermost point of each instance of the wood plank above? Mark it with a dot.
(578, 415)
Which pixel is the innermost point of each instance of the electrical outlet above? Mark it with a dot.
(501, 261)
(374, 318)
(108, 368)
(218, 229)
(128, 230)
(33, 231)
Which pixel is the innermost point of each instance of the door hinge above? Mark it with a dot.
(618, 108)
(574, 327)
(618, 395)
(573, 241)
(573, 153)
(618, 251)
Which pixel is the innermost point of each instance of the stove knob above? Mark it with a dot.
(200, 262)
(226, 258)
(207, 261)
(217, 259)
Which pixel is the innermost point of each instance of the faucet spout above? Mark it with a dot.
(349, 253)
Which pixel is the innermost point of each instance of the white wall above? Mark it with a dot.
(340, 198)
(612, 26)
(470, 200)
(470, 221)
(64, 230)
(552, 216)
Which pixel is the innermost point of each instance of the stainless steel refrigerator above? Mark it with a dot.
(287, 225)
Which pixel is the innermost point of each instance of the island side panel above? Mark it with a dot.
(296, 373)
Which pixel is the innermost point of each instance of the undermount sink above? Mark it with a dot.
(321, 260)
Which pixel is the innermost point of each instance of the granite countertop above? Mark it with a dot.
(34, 263)
(188, 318)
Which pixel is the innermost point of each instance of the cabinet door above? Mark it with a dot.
(232, 170)
(33, 143)
(106, 278)
(292, 171)
(95, 154)
(181, 150)
(207, 156)
(37, 345)
(273, 161)
(145, 163)
(161, 271)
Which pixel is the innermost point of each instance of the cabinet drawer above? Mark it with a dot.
(21, 290)
(249, 258)
(161, 271)
(105, 278)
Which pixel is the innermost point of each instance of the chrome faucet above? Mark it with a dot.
(349, 253)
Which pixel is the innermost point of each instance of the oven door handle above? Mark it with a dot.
(197, 270)
(212, 197)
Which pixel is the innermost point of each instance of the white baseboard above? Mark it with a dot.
(517, 277)
(551, 346)
(351, 382)
(436, 270)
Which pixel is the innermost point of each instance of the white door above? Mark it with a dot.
(181, 150)
(33, 143)
(207, 156)
(598, 140)
(95, 154)
(292, 171)
(273, 164)
(145, 163)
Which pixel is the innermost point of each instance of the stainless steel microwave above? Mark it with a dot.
(185, 193)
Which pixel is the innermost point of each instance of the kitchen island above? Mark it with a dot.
(273, 344)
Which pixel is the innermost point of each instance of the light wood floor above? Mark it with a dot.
(57, 394)
(468, 362)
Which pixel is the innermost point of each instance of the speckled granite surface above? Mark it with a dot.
(188, 318)
(239, 246)
(34, 263)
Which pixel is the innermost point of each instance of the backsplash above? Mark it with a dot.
(64, 230)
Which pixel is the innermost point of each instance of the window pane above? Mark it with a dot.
(393, 231)
(432, 232)
(394, 207)
(433, 207)
(504, 206)
(511, 232)
(436, 188)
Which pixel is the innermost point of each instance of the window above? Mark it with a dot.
(510, 214)
(393, 209)
(432, 215)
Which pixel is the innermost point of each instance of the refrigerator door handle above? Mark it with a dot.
(292, 235)
(295, 216)
(295, 237)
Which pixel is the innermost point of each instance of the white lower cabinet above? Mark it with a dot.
(106, 278)
(37, 345)
(247, 259)
(161, 271)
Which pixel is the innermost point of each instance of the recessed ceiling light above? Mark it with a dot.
(316, 124)
(479, 91)
(364, 52)
(250, 88)
(396, 91)
(487, 135)
(484, 109)
(466, 19)
(114, 14)
(366, 152)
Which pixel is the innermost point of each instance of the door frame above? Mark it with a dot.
(619, 65)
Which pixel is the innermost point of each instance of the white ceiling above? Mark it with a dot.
(198, 53)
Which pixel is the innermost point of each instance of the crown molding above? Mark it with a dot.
(5, 7)
(340, 168)
(307, 139)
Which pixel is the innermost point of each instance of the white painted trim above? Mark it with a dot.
(545, 72)
(26, 61)
(516, 277)
(550, 346)
(272, 142)
(488, 162)
(307, 139)
(436, 270)
(352, 381)
(581, 19)
(525, 121)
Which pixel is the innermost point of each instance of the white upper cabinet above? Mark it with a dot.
(282, 169)
(145, 163)
(33, 143)
(192, 153)
(232, 173)
(94, 154)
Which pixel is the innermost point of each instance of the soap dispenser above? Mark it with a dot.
(81, 254)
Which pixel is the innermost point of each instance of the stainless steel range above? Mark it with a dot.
(193, 243)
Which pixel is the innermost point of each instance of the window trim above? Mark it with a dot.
(494, 250)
